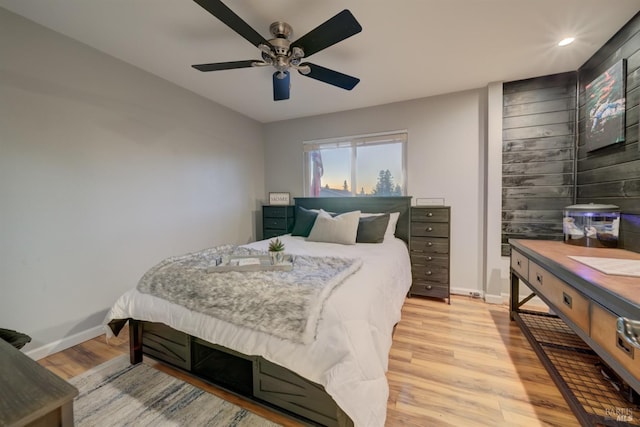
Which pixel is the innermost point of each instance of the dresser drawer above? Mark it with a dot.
(280, 223)
(423, 260)
(604, 332)
(430, 273)
(520, 264)
(430, 245)
(430, 229)
(277, 211)
(430, 214)
(430, 289)
(563, 297)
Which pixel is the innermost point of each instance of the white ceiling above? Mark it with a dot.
(407, 49)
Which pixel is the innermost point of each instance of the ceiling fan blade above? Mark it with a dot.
(336, 29)
(281, 86)
(217, 66)
(233, 21)
(332, 77)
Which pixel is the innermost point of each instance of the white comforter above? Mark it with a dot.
(350, 354)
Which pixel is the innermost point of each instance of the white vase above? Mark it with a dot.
(277, 257)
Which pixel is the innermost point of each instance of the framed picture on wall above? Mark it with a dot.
(605, 107)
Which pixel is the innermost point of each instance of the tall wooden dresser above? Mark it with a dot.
(429, 249)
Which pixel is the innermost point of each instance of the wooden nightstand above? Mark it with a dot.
(277, 220)
(429, 250)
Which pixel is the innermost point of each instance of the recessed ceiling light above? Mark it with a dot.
(566, 41)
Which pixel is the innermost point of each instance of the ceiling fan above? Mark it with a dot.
(283, 54)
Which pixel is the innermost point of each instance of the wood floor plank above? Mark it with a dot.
(463, 364)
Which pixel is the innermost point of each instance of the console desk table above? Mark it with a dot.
(579, 332)
(30, 394)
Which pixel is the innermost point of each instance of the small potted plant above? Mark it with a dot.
(276, 251)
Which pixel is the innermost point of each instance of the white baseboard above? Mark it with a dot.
(504, 299)
(495, 299)
(466, 292)
(64, 343)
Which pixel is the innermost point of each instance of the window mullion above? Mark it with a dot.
(354, 158)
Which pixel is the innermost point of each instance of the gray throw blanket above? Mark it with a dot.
(287, 304)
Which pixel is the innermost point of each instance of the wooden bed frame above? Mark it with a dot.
(253, 377)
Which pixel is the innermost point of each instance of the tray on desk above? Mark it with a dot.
(264, 263)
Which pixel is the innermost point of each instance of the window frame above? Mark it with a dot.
(353, 142)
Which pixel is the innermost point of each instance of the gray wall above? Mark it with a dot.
(445, 159)
(611, 175)
(105, 170)
(538, 179)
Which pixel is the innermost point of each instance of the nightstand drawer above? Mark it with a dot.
(430, 214)
(269, 233)
(430, 289)
(428, 261)
(433, 273)
(277, 211)
(279, 223)
(435, 245)
(429, 229)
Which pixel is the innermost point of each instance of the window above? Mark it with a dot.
(367, 165)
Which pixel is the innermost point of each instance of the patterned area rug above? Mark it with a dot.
(119, 394)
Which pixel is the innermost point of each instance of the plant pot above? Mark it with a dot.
(276, 257)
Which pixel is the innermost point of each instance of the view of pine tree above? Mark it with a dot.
(385, 185)
(345, 187)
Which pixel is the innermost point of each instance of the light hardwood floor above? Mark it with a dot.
(464, 364)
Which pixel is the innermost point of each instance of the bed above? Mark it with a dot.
(336, 377)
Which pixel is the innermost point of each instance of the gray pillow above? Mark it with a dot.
(371, 229)
(305, 219)
(342, 229)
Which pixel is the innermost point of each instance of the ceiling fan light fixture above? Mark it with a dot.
(304, 69)
(297, 52)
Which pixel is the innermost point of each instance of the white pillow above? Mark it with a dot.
(341, 229)
(391, 227)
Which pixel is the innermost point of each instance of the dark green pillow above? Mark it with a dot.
(371, 229)
(304, 222)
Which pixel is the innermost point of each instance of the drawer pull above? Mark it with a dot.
(429, 258)
(518, 263)
(566, 299)
(428, 273)
(629, 331)
(428, 287)
(430, 214)
(539, 278)
(429, 243)
(622, 344)
(429, 229)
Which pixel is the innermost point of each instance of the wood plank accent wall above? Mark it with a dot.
(538, 156)
(612, 174)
